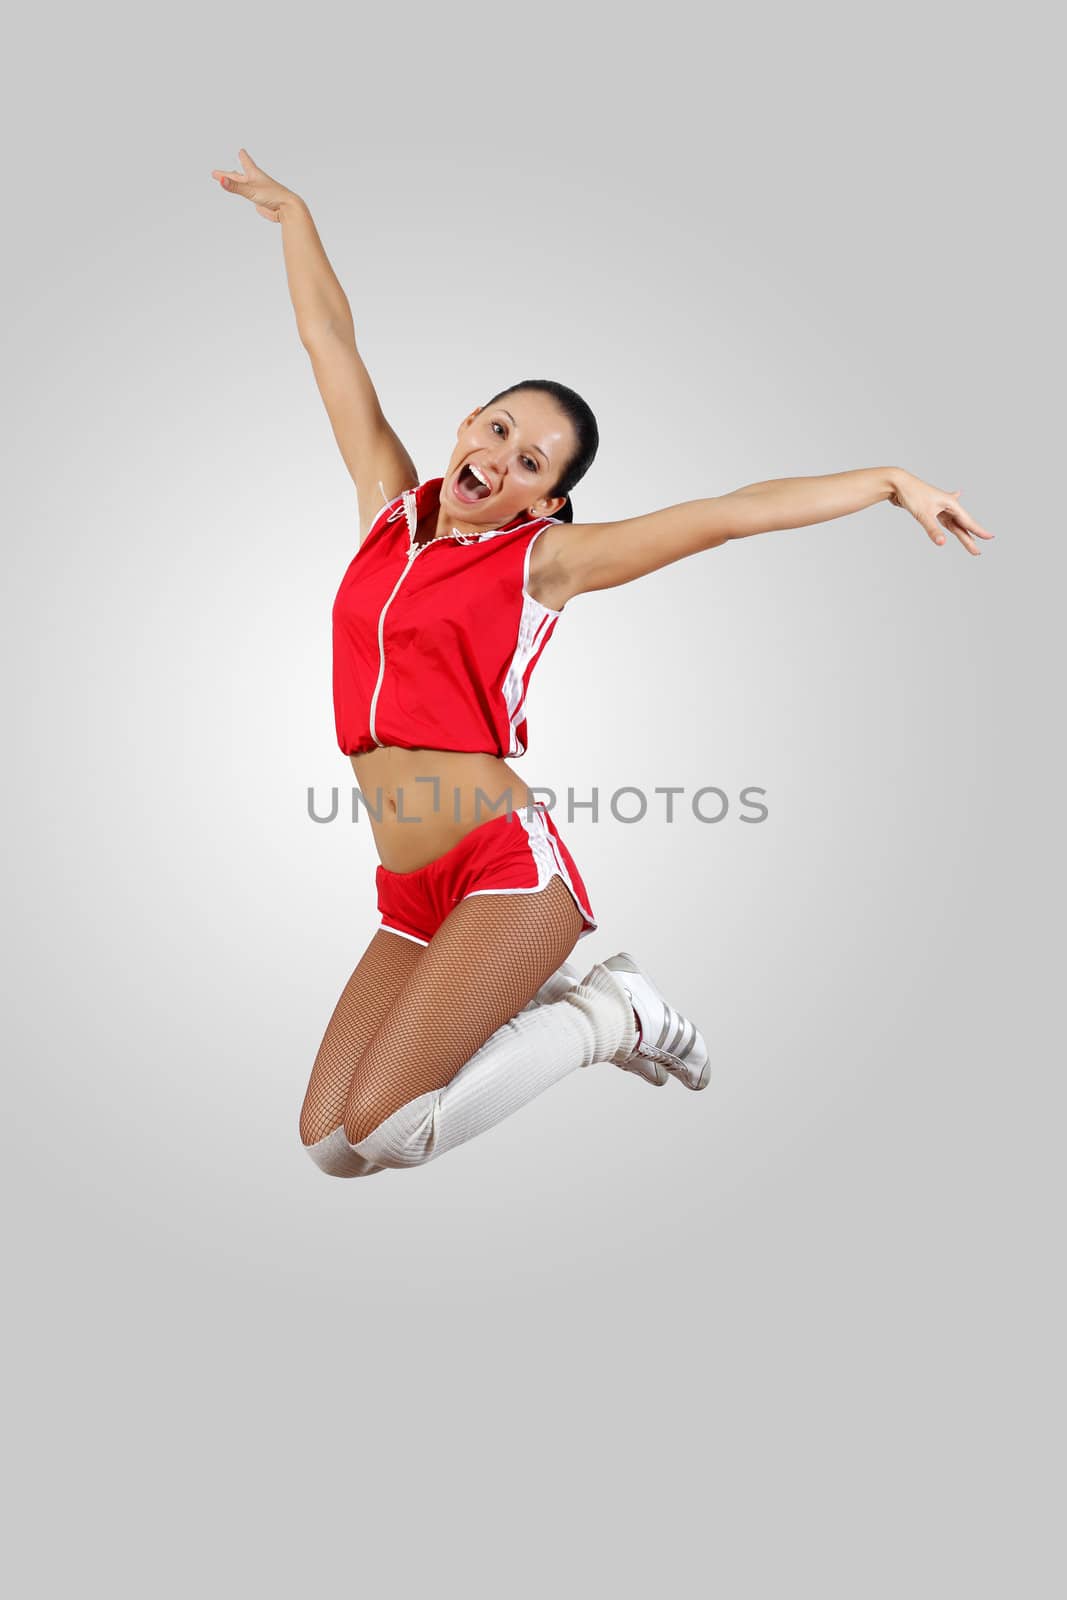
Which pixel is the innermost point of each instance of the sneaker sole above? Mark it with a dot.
(656, 1076)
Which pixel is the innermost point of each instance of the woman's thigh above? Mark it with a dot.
(384, 968)
(486, 961)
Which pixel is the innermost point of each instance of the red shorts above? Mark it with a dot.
(515, 853)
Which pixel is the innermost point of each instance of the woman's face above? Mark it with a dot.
(520, 445)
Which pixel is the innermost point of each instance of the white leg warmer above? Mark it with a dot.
(336, 1156)
(591, 1020)
(564, 978)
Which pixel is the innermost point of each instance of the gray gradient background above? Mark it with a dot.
(793, 1335)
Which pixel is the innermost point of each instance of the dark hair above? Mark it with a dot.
(584, 424)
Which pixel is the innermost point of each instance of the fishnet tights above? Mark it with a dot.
(411, 1015)
(380, 976)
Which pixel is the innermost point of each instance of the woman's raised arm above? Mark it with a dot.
(372, 452)
(318, 299)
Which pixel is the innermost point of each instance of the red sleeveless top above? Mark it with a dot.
(434, 644)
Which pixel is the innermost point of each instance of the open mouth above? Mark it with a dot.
(469, 487)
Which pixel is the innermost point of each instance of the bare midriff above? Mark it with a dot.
(420, 803)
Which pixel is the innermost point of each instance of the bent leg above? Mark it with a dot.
(462, 1046)
(383, 969)
(379, 977)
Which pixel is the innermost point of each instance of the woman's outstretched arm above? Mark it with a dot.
(601, 555)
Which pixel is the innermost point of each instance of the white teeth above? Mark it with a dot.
(481, 477)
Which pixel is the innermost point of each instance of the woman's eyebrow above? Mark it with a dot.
(514, 424)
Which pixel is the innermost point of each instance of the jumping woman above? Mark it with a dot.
(464, 1006)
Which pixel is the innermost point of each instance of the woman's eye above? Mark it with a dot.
(531, 465)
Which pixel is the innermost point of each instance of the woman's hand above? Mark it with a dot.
(254, 184)
(936, 509)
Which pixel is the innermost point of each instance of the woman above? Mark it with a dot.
(464, 1006)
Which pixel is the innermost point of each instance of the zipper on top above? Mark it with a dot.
(410, 509)
(411, 513)
(409, 505)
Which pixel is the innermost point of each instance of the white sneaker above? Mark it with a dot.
(668, 1040)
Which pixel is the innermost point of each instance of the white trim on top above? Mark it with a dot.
(526, 574)
(535, 623)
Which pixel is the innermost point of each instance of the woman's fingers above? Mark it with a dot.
(969, 523)
(935, 530)
(965, 519)
(961, 533)
(956, 522)
(963, 525)
(929, 508)
(252, 184)
(234, 180)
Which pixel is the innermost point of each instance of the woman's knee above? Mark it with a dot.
(320, 1113)
(334, 1156)
(363, 1113)
(401, 1137)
